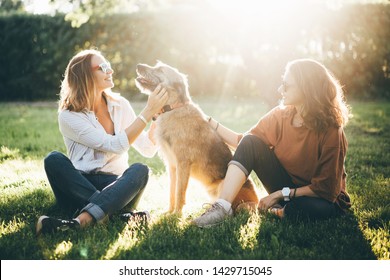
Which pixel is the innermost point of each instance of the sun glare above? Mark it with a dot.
(261, 9)
(47, 7)
(269, 20)
(258, 27)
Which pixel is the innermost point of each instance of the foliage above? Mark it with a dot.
(223, 55)
(85, 9)
(11, 6)
(25, 195)
(35, 52)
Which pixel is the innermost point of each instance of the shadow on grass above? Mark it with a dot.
(172, 238)
(18, 240)
(252, 237)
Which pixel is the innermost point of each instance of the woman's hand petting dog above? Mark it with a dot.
(157, 99)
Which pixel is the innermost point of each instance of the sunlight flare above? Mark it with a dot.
(63, 249)
(127, 239)
(11, 227)
(16, 172)
(249, 232)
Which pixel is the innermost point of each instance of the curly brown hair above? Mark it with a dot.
(324, 104)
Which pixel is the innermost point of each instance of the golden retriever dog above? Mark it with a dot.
(187, 144)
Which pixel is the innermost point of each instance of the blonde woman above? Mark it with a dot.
(297, 150)
(98, 127)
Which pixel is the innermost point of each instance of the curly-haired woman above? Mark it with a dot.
(297, 150)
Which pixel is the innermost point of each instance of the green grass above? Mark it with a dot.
(29, 131)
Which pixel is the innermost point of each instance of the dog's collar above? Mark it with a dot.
(168, 108)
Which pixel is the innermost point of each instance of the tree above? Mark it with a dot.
(11, 5)
(84, 10)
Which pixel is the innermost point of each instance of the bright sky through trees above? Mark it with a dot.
(45, 7)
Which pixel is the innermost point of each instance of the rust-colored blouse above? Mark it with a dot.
(311, 158)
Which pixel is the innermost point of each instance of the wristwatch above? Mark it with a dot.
(286, 193)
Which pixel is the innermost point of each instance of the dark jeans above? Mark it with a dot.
(253, 154)
(98, 194)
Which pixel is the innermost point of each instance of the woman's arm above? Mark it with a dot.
(273, 198)
(155, 102)
(82, 127)
(228, 136)
(145, 144)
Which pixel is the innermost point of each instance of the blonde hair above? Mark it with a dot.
(324, 104)
(78, 85)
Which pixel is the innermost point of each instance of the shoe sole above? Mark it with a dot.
(209, 225)
(145, 218)
(38, 227)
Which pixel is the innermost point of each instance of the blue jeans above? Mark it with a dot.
(98, 194)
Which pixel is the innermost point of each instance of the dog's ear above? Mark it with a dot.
(182, 90)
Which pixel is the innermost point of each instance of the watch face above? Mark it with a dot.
(286, 191)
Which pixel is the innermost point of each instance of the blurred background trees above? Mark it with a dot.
(227, 48)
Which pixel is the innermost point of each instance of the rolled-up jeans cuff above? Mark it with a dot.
(239, 165)
(95, 211)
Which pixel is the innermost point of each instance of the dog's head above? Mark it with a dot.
(176, 83)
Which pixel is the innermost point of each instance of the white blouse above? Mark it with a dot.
(91, 149)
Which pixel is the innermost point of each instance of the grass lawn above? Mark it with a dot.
(29, 131)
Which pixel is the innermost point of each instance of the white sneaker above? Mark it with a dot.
(213, 216)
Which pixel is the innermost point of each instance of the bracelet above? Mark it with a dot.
(295, 190)
(142, 118)
(209, 120)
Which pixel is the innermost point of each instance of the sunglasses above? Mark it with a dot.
(105, 67)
